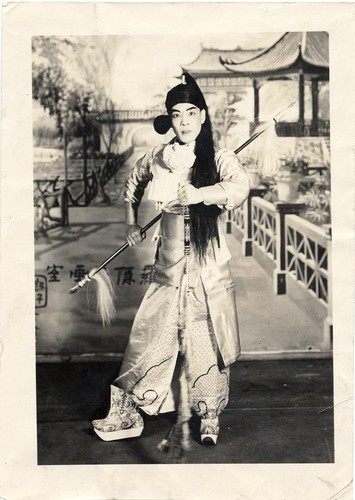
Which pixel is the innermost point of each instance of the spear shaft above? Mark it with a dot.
(115, 254)
(158, 217)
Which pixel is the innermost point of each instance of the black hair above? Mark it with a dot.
(203, 218)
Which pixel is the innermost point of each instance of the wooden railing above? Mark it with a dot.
(317, 128)
(49, 194)
(128, 115)
(241, 220)
(236, 218)
(78, 192)
(113, 163)
(299, 249)
(263, 218)
(307, 256)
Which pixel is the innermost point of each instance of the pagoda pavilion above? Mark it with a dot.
(212, 76)
(296, 55)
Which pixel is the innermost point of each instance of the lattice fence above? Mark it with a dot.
(307, 256)
(264, 226)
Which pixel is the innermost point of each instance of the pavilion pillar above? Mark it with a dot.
(256, 101)
(301, 101)
(315, 107)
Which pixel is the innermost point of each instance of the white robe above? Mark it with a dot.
(212, 294)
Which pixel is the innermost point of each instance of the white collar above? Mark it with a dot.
(179, 157)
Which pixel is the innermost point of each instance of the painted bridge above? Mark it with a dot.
(137, 127)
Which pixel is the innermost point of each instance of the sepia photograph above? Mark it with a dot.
(219, 322)
(178, 194)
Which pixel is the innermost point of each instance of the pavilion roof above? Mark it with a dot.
(294, 50)
(209, 60)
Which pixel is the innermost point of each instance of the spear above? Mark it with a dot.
(104, 286)
(105, 290)
(103, 264)
(265, 126)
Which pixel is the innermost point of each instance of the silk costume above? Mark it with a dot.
(211, 323)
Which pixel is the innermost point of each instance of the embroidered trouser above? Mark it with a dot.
(150, 382)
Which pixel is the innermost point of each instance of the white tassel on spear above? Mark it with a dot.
(267, 164)
(104, 287)
(264, 153)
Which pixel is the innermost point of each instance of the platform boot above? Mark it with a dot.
(209, 430)
(123, 420)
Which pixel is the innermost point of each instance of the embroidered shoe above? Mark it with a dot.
(209, 429)
(123, 420)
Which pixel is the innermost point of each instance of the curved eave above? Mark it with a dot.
(300, 50)
(257, 56)
(294, 67)
(209, 60)
(206, 72)
(213, 74)
(316, 52)
(198, 62)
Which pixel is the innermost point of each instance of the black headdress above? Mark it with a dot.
(186, 91)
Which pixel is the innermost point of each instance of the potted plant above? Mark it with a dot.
(248, 163)
(317, 201)
(288, 176)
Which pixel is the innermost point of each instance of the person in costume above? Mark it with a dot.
(187, 322)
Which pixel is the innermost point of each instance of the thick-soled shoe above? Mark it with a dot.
(120, 404)
(209, 429)
(123, 420)
(124, 429)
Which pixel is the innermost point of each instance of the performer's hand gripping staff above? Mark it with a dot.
(264, 154)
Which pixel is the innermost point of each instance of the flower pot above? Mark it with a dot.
(287, 186)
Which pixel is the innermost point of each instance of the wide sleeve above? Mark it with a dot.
(138, 179)
(233, 187)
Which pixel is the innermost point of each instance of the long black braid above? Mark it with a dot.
(203, 218)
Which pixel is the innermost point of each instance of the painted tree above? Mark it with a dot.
(72, 79)
(56, 82)
(223, 116)
(92, 59)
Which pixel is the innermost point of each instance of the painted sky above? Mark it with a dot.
(142, 67)
(145, 66)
